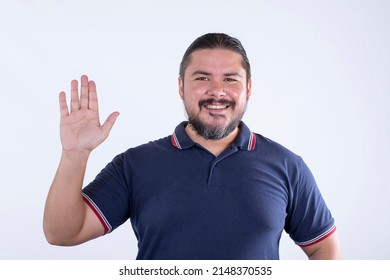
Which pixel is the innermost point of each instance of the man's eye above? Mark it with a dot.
(230, 80)
(202, 79)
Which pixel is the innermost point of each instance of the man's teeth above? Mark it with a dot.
(216, 107)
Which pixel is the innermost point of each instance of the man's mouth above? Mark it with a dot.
(216, 107)
(212, 104)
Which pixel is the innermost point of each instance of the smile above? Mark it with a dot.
(216, 107)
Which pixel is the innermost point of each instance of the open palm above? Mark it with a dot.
(81, 130)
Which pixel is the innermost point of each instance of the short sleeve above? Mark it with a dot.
(108, 194)
(308, 218)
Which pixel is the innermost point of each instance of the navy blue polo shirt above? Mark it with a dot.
(185, 203)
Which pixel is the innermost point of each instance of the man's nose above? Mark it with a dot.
(217, 89)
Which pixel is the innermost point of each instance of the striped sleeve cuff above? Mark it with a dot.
(319, 238)
(98, 213)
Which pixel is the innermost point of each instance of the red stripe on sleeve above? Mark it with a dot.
(97, 213)
(315, 241)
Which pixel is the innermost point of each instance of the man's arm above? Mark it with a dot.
(327, 249)
(68, 220)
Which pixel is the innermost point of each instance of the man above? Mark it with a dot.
(211, 190)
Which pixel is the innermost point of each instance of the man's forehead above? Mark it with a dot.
(214, 52)
(216, 58)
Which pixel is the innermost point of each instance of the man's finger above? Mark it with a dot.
(64, 111)
(74, 96)
(93, 100)
(109, 123)
(84, 92)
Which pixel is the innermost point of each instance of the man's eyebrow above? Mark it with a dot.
(200, 72)
(229, 74)
(232, 74)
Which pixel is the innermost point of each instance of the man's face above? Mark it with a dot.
(215, 92)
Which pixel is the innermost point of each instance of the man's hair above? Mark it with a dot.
(215, 41)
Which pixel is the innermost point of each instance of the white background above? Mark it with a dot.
(321, 74)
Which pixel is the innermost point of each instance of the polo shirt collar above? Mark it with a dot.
(246, 140)
(180, 138)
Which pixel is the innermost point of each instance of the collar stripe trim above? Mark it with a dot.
(252, 142)
(175, 142)
(98, 213)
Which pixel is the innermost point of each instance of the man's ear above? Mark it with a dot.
(181, 87)
(249, 89)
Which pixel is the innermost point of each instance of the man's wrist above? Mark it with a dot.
(75, 156)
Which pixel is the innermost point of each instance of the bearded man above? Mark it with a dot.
(212, 190)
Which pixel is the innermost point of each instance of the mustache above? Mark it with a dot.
(211, 101)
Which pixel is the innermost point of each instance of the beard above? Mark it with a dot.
(215, 131)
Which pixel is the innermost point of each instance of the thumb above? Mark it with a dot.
(109, 123)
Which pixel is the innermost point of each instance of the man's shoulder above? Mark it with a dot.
(269, 147)
(163, 143)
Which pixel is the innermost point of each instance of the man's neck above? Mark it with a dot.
(215, 147)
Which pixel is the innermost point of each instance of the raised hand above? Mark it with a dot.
(81, 130)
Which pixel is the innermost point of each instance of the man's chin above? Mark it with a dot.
(216, 121)
(212, 130)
